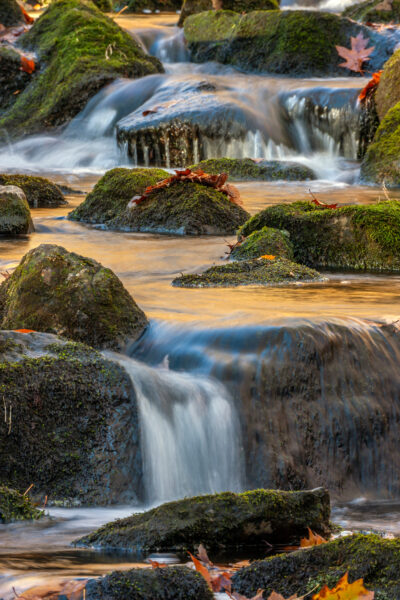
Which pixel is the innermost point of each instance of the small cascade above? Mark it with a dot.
(190, 433)
(319, 403)
(166, 43)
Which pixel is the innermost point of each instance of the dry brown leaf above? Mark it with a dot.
(357, 54)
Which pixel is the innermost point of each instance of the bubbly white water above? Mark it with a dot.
(190, 433)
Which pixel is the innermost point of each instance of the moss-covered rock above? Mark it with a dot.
(372, 11)
(192, 7)
(258, 271)
(356, 237)
(247, 169)
(388, 93)
(12, 79)
(39, 192)
(221, 520)
(112, 193)
(367, 557)
(104, 5)
(80, 50)
(15, 216)
(172, 583)
(159, 5)
(66, 414)
(10, 13)
(268, 241)
(294, 42)
(183, 208)
(57, 291)
(14, 506)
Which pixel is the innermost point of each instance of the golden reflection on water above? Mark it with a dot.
(147, 264)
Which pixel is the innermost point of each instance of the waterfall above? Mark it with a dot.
(191, 442)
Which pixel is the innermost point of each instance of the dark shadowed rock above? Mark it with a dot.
(10, 13)
(14, 506)
(57, 291)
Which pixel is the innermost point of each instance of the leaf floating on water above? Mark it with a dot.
(345, 591)
(371, 86)
(313, 540)
(357, 55)
(27, 65)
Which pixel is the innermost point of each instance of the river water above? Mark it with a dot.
(176, 368)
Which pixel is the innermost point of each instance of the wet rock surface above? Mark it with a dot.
(293, 42)
(12, 78)
(14, 506)
(53, 290)
(65, 427)
(374, 11)
(225, 520)
(367, 557)
(258, 271)
(15, 216)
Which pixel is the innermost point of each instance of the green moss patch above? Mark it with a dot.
(172, 583)
(80, 50)
(15, 216)
(367, 12)
(294, 42)
(61, 292)
(259, 271)
(357, 237)
(112, 193)
(39, 192)
(220, 520)
(247, 169)
(192, 7)
(14, 506)
(159, 5)
(367, 557)
(264, 241)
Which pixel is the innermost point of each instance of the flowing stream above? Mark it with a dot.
(215, 363)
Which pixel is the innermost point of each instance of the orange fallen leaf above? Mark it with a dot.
(370, 87)
(157, 565)
(37, 7)
(27, 65)
(313, 540)
(201, 569)
(357, 55)
(345, 591)
(268, 257)
(28, 19)
(25, 330)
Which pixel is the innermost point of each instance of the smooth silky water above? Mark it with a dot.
(182, 368)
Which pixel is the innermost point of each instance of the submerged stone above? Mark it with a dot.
(191, 7)
(297, 42)
(81, 51)
(374, 11)
(113, 192)
(264, 241)
(248, 169)
(258, 271)
(172, 583)
(15, 216)
(39, 192)
(367, 557)
(57, 291)
(10, 13)
(183, 208)
(14, 506)
(225, 520)
(356, 237)
(67, 410)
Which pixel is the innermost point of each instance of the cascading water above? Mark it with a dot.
(191, 441)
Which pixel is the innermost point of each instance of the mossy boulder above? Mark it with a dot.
(192, 7)
(104, 5)
(56, 291)
(247, 169)
(388, 93)
(39, 191)
(258, 271)
(14, 506)
(298, 42)
(374, 11)
(367, 557)
(15, 216)
(268, 241)
(12, 78)
(356, 237)
(10, 13)
(172, 583)
(67, 411)
(183, 208)
(224, 520)
(112, 193)
(158, 5)
(80, 50)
